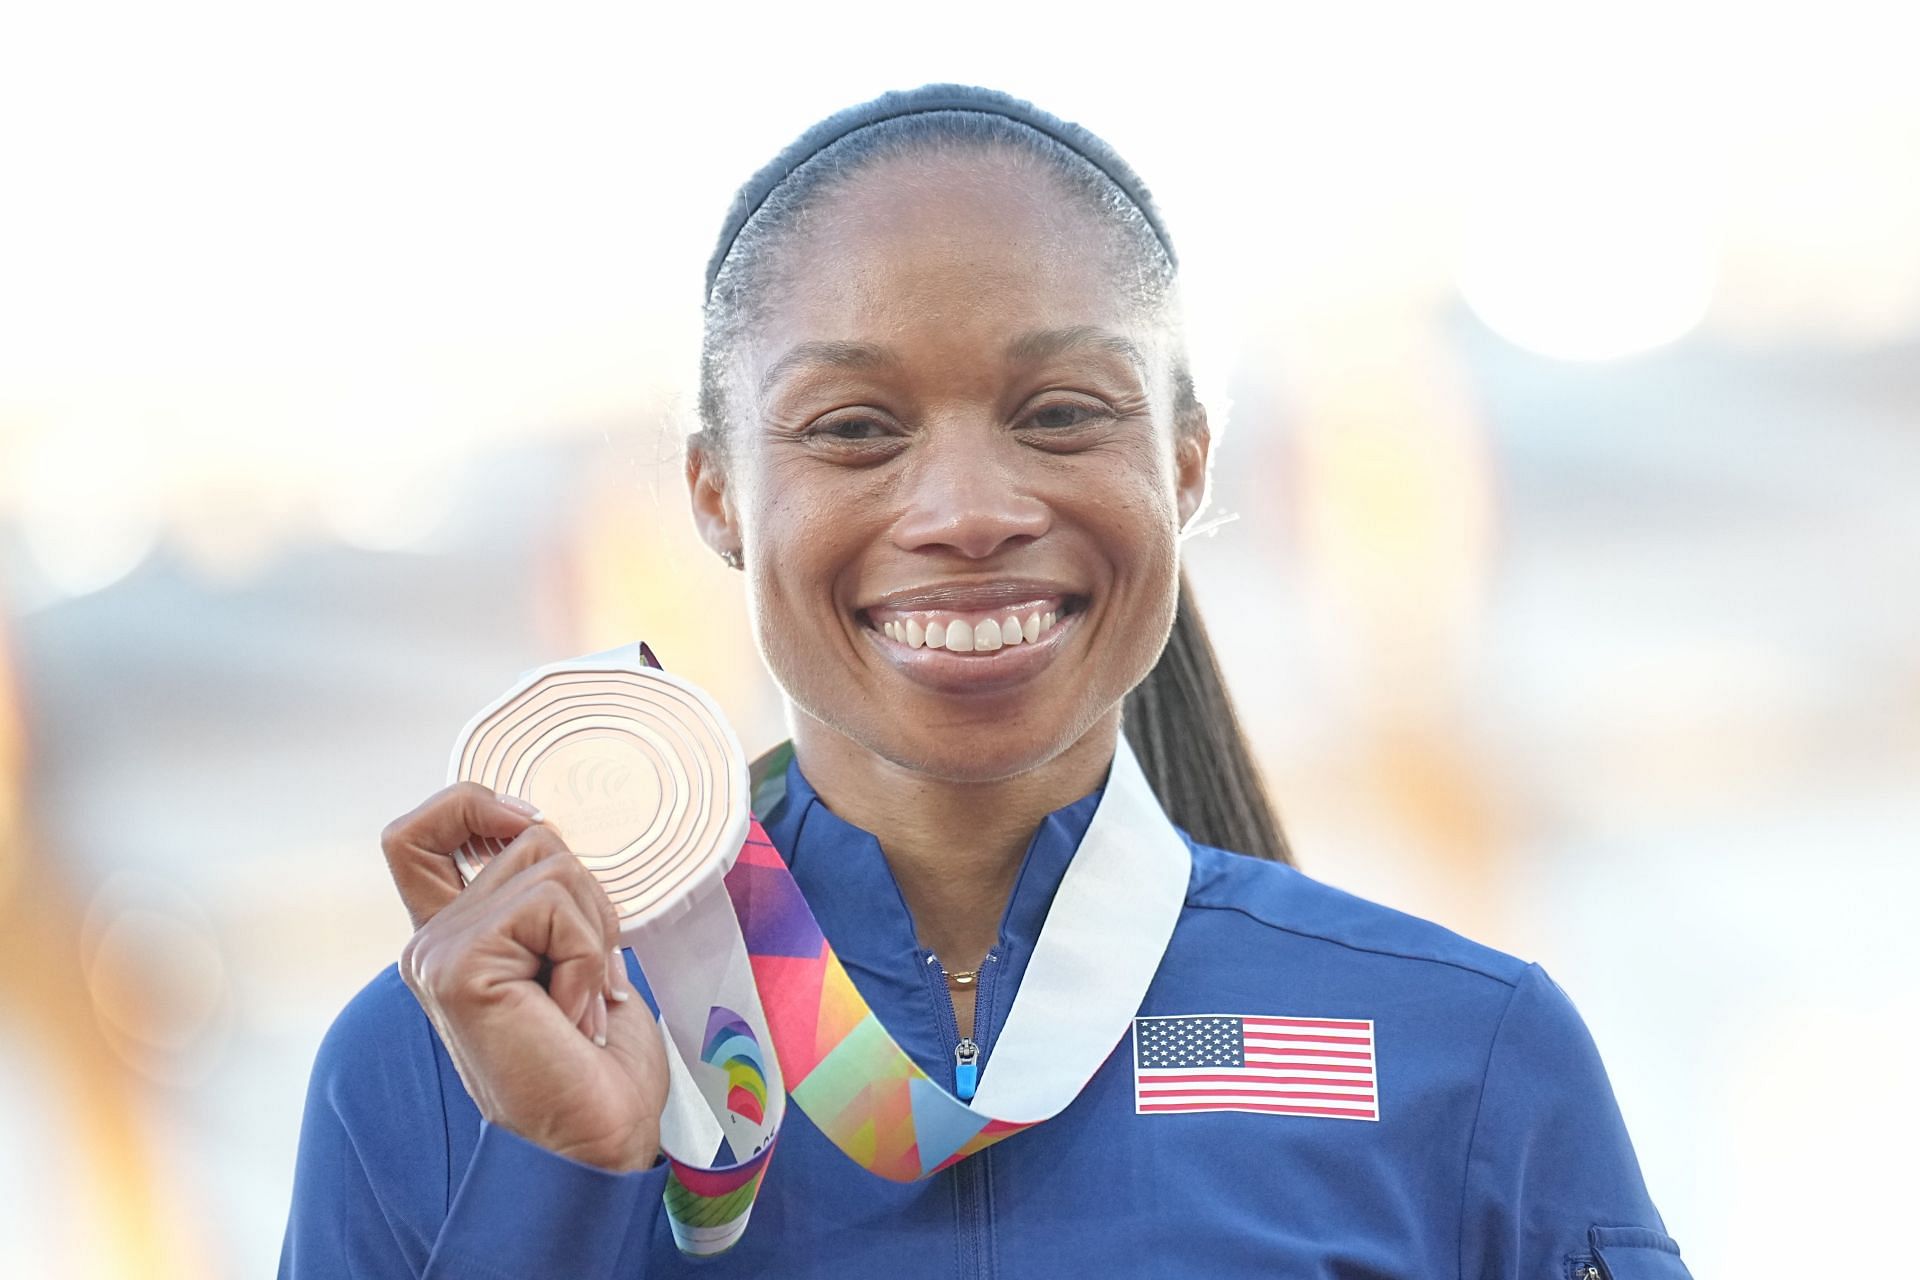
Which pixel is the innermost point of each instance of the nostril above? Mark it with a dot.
(978, 518)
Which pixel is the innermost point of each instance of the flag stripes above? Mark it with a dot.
(1284, 1066)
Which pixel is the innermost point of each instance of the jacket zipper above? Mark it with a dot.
(970, 1175)
(966, 1068)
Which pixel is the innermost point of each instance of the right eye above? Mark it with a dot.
(850, 429)
(857, 430)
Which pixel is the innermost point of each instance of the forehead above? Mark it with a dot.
(961, 251)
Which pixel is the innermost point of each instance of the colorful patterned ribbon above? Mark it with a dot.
(736, 972)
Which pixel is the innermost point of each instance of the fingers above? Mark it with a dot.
(535, 863)
(419, 845)
(446, 819)
(541, 914)
(540, 844)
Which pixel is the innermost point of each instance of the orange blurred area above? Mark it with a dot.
(1565, 369)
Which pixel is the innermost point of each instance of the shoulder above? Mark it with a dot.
(378, 1018)
(375, 1146)
(1283, 902)
(1481, 1024)
(378, 1058)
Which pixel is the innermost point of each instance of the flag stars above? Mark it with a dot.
(1190, 1042)
(1265, 1065)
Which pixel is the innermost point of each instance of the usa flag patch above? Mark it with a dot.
(1232, 1062)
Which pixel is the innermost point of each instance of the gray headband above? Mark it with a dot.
(930, 98)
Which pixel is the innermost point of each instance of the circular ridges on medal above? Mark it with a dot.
(635, 769)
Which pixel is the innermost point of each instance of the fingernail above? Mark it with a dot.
(520, 806)
(600, 1023)
(617, 979)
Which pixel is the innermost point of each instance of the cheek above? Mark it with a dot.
(1132, 509)
(799, 543)
(783, 558)
(1136, 524)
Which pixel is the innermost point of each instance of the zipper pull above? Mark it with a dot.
(966, 1069)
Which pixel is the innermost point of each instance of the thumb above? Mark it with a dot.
(419, 845)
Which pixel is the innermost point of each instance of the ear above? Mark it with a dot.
(1192, 453)
(713, 513)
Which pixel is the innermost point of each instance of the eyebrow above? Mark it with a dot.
(1041, 344)
(1030, 347)
(838, 355)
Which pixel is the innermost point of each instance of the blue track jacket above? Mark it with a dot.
(1499, 1151)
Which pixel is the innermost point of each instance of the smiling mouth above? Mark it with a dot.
(982, 632)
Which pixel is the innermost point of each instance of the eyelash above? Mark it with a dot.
(830, 429)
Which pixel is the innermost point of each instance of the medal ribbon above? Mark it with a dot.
(753, 1003)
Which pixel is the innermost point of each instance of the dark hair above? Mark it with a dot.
(1180, 719)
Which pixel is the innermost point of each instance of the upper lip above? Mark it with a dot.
(966, 595)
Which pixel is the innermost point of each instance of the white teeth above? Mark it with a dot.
(958, 635)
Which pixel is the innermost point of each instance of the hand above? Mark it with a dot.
(520, 975)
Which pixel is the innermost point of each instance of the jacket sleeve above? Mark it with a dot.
(375, 1194)
(1552, 1185)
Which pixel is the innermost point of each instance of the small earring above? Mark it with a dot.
(732, 559)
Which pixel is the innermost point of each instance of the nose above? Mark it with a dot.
(967, 493)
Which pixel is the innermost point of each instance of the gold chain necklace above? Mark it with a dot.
(959, 978)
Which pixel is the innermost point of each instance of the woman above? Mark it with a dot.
(949, 436)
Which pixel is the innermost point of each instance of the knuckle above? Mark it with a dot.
(573, 871)
(412, 964)
(433, 973)
(542, 871)
(549, 895)
(544, 838)
(549, 851)
(467, 791)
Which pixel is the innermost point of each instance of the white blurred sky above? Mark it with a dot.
(1566, 355)
(240, 243)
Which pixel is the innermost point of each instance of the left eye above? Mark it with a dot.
(1064, 414)
(851, 429)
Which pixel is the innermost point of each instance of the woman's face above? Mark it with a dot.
(952, 471)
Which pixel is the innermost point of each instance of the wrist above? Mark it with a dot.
(628, 1153)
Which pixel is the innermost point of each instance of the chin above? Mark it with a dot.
(979, 752)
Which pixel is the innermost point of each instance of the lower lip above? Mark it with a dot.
(949, 672)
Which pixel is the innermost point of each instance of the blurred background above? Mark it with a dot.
(1568, 360)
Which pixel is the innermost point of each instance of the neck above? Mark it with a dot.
(954, 847)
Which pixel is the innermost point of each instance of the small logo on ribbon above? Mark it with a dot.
(733, 1048)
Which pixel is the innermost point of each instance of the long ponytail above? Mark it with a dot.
(1181, 723)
